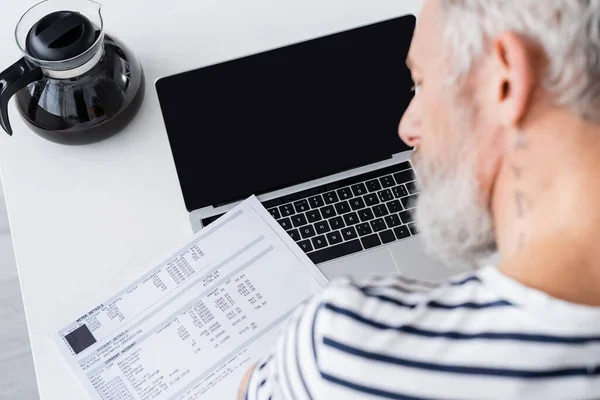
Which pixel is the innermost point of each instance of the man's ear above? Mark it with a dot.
(514, 66)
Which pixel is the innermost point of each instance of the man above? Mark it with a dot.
(506, 127)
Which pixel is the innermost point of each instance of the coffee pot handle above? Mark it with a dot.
(13, 79)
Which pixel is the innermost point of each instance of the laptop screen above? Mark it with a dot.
(289, 115)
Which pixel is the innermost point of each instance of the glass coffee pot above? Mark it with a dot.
(75, 84)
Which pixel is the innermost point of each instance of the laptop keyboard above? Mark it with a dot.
(350, 215)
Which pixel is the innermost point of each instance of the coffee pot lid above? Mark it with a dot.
(61, 35)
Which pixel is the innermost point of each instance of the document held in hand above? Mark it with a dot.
(191, 327)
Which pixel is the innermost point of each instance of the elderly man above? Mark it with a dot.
(506, 126)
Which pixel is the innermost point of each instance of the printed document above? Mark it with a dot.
(191, 327)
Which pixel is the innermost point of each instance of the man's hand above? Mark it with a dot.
(245, 382)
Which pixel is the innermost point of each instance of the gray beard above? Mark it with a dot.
(456, 226)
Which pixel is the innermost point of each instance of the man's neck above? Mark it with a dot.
(546, 207)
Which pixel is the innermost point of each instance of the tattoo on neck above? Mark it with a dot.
(518, 171)
(522, 142)
(523, 203)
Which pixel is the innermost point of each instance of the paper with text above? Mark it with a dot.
(192, 326)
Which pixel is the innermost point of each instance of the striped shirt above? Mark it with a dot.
(479, 336)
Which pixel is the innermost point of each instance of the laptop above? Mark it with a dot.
(311, 129)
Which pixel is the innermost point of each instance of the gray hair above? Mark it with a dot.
(568, 31)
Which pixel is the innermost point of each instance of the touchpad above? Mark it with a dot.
(378, 262)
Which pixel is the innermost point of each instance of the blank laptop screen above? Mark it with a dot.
(289, 115)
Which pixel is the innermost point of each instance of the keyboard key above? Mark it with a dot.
(385, 195)
(275, 213)
(364, 229)
(359, 189)
(373, 185)
(357, 203)
(392, 221)
(299, 220)
(334, 237)
(345, 194)
(380, 210)
(319, 242)
(333, 252)
(378, 225)
(337, 223)
(402, 232)
(414, 229)
(400, 191)
(371, 199)
(409, 202)
(371, 241)
(307, 232)
(313, 216)
(285, 223)
(305, 245)
(366, 215)
(316, 201)
(387, 236)
(301, 206)
(328, 212)
(351, 218)
(407, 217)
(294, 234)
(343, 207)
(349, 233)
(412, 187)
(387, 181)
(395, 206)
(330, 198)
(287, 210)
(404, 176)
(322, 227)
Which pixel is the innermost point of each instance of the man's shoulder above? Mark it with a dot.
(359, 333)
(382, 302)
(398, 290)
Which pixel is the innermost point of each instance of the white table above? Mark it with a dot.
(86, 220)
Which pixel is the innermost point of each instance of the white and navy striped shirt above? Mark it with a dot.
(482, 336)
